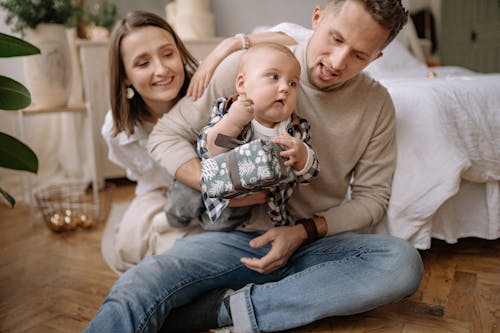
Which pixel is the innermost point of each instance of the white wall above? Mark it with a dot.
(13, 68)
(234, 16)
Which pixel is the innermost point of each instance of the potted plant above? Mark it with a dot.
(42, 23)
(100, 19)
(14, 96)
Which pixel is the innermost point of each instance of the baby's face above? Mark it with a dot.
(271, 82)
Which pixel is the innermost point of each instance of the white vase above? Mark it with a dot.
(191, 19)
(48, 75)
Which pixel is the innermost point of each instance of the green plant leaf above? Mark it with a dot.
(7, 196)
(16, 155)
(13, 95)
(11, 46)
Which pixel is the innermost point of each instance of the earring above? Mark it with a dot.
(130, 93)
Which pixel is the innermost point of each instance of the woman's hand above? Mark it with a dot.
(201, 77)
(204, 73)
(284, 241)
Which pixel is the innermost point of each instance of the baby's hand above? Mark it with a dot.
(296, 152)
(241, 111)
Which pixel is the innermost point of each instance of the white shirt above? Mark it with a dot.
(130, 153)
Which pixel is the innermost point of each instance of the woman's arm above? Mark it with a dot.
(203, 74)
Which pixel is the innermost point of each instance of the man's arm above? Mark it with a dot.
(371, 187)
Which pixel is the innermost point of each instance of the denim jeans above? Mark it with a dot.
(338, 275)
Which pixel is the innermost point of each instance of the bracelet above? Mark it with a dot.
(311, 229)
(245, 42)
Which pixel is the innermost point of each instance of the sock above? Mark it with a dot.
(200, 315)
(224, 313)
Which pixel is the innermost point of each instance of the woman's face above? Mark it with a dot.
(153, 66)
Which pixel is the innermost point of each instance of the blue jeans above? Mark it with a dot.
(338, 275)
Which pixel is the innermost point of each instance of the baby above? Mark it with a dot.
(267, 83)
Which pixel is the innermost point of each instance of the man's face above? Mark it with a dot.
(343, 44)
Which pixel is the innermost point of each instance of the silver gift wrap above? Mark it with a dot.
(251, 167)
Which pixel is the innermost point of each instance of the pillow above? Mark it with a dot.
(396, 58)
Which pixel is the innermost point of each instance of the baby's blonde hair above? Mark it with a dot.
(266, 46)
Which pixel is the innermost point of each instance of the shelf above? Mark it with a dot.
(33, 109)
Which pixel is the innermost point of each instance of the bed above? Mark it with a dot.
(446, 184)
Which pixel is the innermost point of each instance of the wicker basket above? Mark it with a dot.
(71, 205)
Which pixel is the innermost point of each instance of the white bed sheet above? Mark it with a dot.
(448, 131)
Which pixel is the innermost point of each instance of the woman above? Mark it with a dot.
(150, 70)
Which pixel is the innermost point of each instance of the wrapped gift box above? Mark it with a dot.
(251, 167)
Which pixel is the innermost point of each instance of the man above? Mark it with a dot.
(272, 279)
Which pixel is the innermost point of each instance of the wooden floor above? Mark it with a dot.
(55, 282)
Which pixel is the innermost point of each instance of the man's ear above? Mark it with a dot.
(240, 83)
(316, 16)
(380, 54)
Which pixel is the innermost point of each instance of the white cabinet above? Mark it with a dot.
(95, 75)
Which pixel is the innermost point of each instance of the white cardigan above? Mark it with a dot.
(130, 153)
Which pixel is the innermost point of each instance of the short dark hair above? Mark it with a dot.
(390, 14)
(128, 113)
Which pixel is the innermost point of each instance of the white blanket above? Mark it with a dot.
(447, 129)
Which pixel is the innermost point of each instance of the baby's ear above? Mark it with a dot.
(240, 83)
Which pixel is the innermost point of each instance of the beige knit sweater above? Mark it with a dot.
(352, 131)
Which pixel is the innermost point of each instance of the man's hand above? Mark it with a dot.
(284, 241)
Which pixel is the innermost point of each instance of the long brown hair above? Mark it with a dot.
(129, 112)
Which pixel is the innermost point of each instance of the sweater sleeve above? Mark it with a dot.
(372, 179)
(173, 140)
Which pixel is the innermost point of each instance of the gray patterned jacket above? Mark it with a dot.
(278, 194)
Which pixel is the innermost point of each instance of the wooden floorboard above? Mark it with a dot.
(55, 283)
